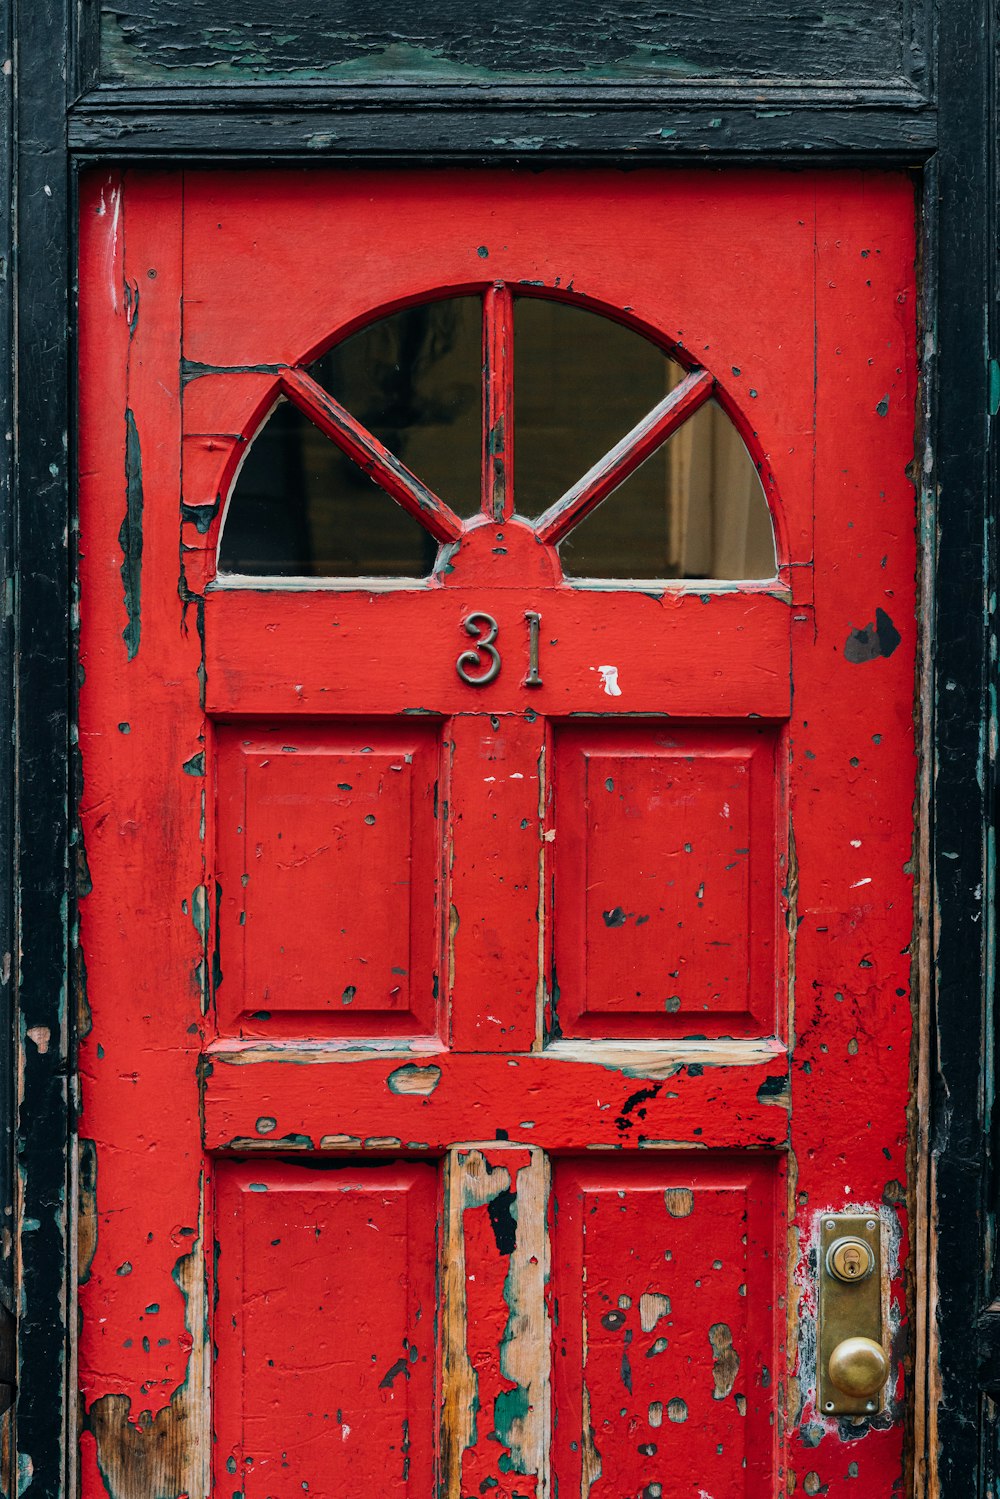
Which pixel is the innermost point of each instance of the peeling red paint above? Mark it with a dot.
(684, 998)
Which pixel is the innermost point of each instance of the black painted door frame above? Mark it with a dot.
(48, 131)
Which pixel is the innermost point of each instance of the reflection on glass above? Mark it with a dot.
(580, 383)
(415, 380)
(695, 509)
(301, 508)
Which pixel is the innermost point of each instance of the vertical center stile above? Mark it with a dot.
(495, 1357)
(498, 402)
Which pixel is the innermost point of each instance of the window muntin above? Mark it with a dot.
(397, 438)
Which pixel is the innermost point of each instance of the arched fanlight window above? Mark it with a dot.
(377, 454)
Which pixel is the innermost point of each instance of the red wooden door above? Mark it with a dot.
(496, 963)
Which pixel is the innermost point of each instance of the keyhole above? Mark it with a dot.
(849, 1261)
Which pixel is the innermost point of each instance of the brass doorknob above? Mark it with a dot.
(859, 1367)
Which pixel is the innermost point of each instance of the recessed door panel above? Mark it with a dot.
(325, 1330)
(666, 877)
(666, 1342)
(327, 877)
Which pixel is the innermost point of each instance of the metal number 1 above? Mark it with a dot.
(484, 630)
(534, 620)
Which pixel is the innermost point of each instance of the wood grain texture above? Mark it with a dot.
(600, 39)
(495, 1361)
(752, 123)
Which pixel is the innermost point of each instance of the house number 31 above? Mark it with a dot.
(481, 665)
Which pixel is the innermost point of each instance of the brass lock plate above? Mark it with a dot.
(850, 1301)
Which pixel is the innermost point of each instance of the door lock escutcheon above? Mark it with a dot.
(853, 1364)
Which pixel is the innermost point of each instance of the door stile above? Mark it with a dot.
(142, 735)
(495, 1395)
(495, 842)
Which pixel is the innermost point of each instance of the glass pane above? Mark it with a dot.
(415, 380)
(580, 383)
(695, 509)
(302, 508)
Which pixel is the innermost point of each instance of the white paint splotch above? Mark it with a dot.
(609, 680)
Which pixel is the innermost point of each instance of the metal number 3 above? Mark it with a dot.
(484, 630)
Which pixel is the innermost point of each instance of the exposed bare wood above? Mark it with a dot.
(140, 1454)
(496, 1398)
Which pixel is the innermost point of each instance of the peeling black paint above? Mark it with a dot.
(151, 40)
(879, 639)
(633, 1104)
(401, 1366)
(87, 1207)
(626, 1369)
(773, 1087)
(217, 974)
(201, 516)
(130, 300)
(191, 369)
(130, 537)
(502, 1221)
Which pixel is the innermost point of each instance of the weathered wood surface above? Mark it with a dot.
(661, 1349)
(681, 653)
(39, 972)
(423, 1098)
(326, 1330)
(961, 498)
(797, 294)
(750, 123)
(483, 41)
(496, 1324)
(143, 1383)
